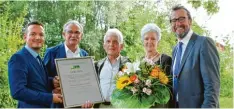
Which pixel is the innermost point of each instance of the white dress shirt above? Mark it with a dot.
(71, 54)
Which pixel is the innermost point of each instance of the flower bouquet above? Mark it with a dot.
(140, 85)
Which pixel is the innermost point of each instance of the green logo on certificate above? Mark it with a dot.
(75, 67)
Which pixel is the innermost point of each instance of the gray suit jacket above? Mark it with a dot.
(199, 77)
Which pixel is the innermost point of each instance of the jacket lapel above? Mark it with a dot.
(35, 64)
(173, 58)
(187, 51)
(61, 52)
(100, 65)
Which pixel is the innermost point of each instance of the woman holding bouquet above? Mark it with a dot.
(151, 35)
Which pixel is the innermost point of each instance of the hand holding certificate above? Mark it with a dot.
(78, 81)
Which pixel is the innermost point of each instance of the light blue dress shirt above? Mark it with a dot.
(107, 78)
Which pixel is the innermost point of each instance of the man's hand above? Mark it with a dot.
(56, 82)
(57, 98)
(87, 104)
(57, 90)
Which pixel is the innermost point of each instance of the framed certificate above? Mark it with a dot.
(78, 81)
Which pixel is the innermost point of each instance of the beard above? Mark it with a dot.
(181, 36)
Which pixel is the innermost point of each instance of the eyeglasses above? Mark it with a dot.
(75, 32)
(180, 19)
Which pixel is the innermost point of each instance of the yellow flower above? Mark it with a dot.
(163, 78)
(122, 82)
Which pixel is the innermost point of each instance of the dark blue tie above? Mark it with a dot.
(176, 68)
(40, 61)
(42, 67)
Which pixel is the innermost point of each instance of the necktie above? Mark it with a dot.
(40, 61)
(176, 69)
(43, 73)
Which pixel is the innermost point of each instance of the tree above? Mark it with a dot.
(10, 42)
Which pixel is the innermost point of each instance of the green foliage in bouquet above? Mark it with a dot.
(140, 85)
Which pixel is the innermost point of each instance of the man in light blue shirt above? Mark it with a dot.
(28, 78)
(109, 66)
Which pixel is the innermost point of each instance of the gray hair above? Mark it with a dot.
(114, 32)
(151, 27)
(73, 22)
(178, 7)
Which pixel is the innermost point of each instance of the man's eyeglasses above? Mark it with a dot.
(180, 19)
(75, 32)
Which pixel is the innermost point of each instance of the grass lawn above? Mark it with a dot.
(226, 102)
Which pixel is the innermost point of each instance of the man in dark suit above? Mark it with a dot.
(72, 33)
(28, 78)
(196, 75)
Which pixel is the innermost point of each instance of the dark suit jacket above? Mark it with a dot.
(28, 81)
(199, 77)
(49, 60)
(54, 53)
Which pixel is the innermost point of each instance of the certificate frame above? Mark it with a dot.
(76, 95)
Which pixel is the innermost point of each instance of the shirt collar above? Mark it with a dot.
(31, 51)
(186, 39)
(117, 59)
(68, 50)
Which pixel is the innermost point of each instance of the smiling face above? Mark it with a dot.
(34, 37)
(150, 41)
(112, 46)
(72, 35)
(180, 23)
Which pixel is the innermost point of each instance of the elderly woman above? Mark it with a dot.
(151, 35)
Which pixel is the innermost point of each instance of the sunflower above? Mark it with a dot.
(163, 78)
(122, 82)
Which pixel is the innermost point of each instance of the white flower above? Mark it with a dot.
(148, 83)
(134, 90)
(149, 61)
(148, 91)
(144, 90)
(132, 67)
(120, 73)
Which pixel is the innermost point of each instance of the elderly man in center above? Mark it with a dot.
(109, 66)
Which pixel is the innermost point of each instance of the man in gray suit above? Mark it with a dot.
(196, 76)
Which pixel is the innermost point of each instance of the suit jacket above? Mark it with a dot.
(199, 75)
(49, 60)
(29, 83)
(54, 53)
